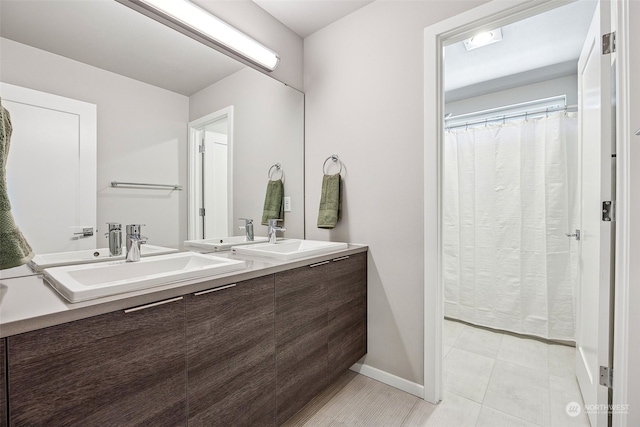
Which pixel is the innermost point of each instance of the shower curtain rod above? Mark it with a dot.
(504, 117)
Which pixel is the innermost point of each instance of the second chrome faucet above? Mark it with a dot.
(134, 240)
(273, 229)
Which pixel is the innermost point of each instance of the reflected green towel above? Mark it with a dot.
(14, 249)
(273, 202)
(330, 201)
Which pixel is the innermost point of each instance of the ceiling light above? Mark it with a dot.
(483, 39)
(197, 21)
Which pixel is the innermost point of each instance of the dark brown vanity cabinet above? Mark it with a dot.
(231, 355)
(301, 337)
(3, 385)
(247, 354)
(116, 369)
(321, 328)
(347, 305)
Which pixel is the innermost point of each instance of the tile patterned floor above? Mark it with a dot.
(491, 379)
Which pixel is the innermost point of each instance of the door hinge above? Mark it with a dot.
(608, 43)
(608, 211)
(201, 148)
(606, 376)
(201, 211)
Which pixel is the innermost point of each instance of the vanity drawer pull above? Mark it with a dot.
(319, 264)
(155, 304)
(342, 258)
(220, 288)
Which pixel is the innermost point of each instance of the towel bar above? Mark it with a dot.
(334, 158)
(152, 186)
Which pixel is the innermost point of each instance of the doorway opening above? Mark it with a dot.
(437, 104)
(210, 175)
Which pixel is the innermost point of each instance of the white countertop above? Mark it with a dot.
(27, 303)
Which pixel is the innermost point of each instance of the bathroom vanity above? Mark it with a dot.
(250, 347)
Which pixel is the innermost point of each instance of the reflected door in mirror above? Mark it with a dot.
(51, 169)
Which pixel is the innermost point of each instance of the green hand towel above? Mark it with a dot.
(14, 249)
(273, 202)
(330, 201)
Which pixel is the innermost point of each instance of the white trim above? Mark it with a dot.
(194, 169)
(457, 28)
(623, 143)
(389, 379)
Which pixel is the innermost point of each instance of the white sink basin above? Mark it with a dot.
(42, 261)
(83, 282)
(220, 243)
(289, 249)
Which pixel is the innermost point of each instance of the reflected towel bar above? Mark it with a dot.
(116, 184)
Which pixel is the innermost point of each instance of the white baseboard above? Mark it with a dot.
(389, 379)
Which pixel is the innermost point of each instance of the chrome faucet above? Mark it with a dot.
(115, 238)
(248, 228)
(273, 228)
(134, 240)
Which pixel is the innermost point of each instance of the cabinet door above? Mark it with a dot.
(125, 368)
(231, 355)
(301, 337)
(347, 295)
(3, 385)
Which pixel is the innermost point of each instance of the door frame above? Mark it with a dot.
(491, 15)
(194, 170)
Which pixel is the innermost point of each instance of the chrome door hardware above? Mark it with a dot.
(576, 235)
(608, 211)
(608, 43)
(86, 232)
(606, 376)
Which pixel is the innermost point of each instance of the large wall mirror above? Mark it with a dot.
(148, 84)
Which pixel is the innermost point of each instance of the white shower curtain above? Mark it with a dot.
(510, 195)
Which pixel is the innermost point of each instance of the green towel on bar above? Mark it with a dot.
(273, 202)
(330, 201)
(14, 249)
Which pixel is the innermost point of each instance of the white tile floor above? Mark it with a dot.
(491, 380)
(514, 381)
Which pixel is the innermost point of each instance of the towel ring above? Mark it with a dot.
(334, 158)
(277, 167)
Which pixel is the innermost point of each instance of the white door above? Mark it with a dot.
(214, 185)
(51, 168)
(593, 296)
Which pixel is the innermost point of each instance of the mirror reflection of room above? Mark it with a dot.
(144, 92)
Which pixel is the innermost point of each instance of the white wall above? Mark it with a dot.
(363, 80)
(142, 133)
(268, 128)
(555, 87)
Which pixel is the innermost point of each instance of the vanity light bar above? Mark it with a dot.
(198, 21)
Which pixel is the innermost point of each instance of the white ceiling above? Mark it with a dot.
(541, 42)
(305, 17)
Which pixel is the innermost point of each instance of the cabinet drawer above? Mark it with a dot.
(301, 338)
(347, 294)
(231, 355)
(3, 385)
(113, 369)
